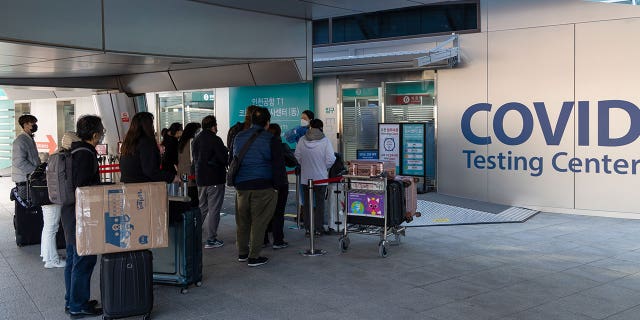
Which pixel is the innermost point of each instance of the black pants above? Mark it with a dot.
(277, 222)
(319, 193)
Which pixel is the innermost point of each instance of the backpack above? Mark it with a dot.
(338, 168)
(60, 177)
(37, 189)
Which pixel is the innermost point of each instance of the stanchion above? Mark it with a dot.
(312, 252)
(298, 207)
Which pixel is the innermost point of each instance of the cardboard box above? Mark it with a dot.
(121, 217)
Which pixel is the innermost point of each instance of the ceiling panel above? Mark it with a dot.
(289, 8)
(42, 52)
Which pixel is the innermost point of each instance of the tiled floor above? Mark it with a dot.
(554, 266)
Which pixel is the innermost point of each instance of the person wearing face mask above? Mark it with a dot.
(296, 133)
(77, 273)
(25, 153)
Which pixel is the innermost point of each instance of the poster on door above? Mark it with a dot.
(389, 143)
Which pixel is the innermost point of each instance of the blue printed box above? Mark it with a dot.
(121, 217)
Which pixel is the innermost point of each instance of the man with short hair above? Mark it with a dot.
(210, 160)
(77, 273)
(260, 172)
(25, 153)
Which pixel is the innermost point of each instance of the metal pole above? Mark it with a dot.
(298, 207)
(312, 251)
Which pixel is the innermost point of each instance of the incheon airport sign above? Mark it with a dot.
(553, 131)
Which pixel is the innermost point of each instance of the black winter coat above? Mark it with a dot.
(144, 164)
(85, 173)
(210, 159)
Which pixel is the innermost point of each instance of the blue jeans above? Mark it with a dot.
(77, 279)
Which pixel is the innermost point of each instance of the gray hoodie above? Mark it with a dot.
(315, 154)
(24, 157)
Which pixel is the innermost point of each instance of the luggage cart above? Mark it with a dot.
(367, 212)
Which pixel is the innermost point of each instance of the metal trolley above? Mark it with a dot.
(360, 217)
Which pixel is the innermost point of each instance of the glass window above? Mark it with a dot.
(321, 31)
(412, 21)
(197, 105)
(171, 109)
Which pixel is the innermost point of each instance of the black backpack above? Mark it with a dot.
(338, 168)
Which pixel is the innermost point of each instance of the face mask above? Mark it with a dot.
(304, 122)
(34, 128)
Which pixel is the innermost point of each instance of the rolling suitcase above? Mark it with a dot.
(396, 206)
(411, 196)
(180, 264)
(27, 223)
(126, 284)
(370, 168)
(334, 208)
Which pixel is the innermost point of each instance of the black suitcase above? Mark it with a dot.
(126, 284)
(180, 264)
(27, 223)
(396, 208)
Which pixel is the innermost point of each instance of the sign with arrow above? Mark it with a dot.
(49, 145)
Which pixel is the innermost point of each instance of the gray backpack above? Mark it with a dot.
(60, 177)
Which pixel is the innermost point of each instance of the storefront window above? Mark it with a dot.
(170, 109)
(184, 107)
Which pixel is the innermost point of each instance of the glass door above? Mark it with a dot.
(361, 113)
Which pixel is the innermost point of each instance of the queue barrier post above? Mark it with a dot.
(312, 252)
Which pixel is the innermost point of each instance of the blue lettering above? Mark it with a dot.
(575, 165)
(603, 123)
(554, 161)
(583, 123)
(527, 123)
(620, 164)
(468, 153)
(553, 137)
(465, 123)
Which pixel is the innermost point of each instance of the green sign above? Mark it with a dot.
(285, 102)
(202, 96)
(413, 149)
(360, 92)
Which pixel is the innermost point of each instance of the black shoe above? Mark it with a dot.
(307, 234)
(243, 258)
(281, 245)
(254, 262)
(89, 312)
(90, 303)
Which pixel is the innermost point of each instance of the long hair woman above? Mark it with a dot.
(185, 159)
(140, 156)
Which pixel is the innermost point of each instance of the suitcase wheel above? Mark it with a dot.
(344, 244)
(382, 249)
(184, 290)
(147, 316)
(199, 284)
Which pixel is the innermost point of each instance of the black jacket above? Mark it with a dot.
(85, 173)
(144, 164)
(170, 157)
(210, 159)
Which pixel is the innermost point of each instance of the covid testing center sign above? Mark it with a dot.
(285, 102)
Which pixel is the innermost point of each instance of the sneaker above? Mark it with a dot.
(282, 245)
(215, 243)
(243, 258)
(55, 264)
(90, 303)
(254, 262)
(89, 312)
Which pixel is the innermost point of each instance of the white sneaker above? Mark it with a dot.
(55, 264)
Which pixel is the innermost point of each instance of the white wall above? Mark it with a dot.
(45, 111)
(327, 108)
(222, 112)
(548, 51)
